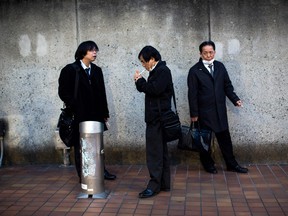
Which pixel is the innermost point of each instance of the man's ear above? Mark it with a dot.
(152, 59)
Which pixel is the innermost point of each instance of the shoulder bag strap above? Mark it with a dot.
(77, 69)
(174, 101)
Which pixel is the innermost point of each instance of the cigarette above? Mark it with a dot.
(142, 71)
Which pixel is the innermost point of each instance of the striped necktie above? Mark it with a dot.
(211, 69)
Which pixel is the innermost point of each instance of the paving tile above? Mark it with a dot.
(52, 190)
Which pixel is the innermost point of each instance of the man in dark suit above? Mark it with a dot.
(158, 91)
(91, 102)
(208, 86)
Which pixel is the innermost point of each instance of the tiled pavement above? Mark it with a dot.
(53, 190)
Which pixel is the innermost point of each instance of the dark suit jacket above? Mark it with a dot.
(91, 102)
(207, 95)
(158, 86)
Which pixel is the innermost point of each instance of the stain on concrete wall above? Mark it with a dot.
(38, 38)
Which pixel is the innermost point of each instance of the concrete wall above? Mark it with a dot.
(39, 37)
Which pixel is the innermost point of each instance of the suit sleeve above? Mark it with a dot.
(192, 93)
(103, 93)
(156, 85)
(229, 89)
(66, 83)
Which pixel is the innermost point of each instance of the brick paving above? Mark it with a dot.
(52, 190)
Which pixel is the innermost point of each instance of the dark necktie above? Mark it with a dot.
(211, 69)
(87, 72)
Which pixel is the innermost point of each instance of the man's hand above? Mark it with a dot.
(137, 75)
(239, 103)
(194, 119)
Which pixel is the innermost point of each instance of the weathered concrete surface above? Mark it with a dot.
(39, 37)
(252, 37)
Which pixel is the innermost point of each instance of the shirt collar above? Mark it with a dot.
(84, 66)
(154, 66)
(208, 62)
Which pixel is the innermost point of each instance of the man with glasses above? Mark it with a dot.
(208, 86)
(91, 102)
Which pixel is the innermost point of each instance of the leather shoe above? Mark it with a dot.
(109, 176)
(211, 169)
(147, 193)
(237, 169)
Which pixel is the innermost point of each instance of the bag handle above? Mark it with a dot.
(192, 126)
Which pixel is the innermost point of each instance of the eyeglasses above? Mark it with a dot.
(93, 50)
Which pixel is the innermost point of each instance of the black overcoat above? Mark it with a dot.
(158, 86)
(91, 102)
(207, 95)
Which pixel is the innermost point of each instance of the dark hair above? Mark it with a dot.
(149, 52)
(207, 43)
(83, 48)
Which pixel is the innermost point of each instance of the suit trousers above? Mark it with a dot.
(157, 157)
(225, 145)
(77, 151)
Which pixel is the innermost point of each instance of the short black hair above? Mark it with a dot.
(149, 52)
(207, 43)
(83, 48)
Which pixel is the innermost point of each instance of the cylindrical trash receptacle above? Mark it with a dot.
(92, 159)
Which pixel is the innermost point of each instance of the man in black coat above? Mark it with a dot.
(91, 102)
(208, 86)
(157, 88)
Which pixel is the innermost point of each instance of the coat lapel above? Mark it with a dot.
(216, 69)
(202, 68)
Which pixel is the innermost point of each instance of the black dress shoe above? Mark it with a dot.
(237, 169)
(109, 176)
(147, 193)
(211, 169)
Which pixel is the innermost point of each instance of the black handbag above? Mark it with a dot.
(66, 121)
(66, 125)
(170, 122)
(195, 138)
